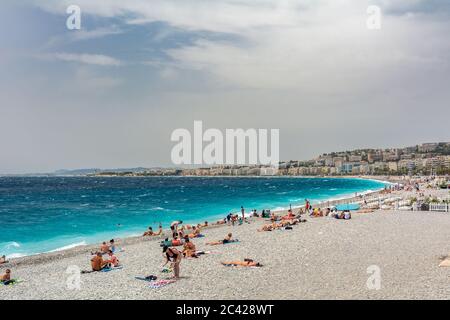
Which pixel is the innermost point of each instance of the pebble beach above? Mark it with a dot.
(323, 258)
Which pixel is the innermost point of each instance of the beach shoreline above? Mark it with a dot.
(44, 257)
(324, 258)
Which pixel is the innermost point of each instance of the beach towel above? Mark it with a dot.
(11, 282)
(160, 283)
(445, 263)
(232, 241)
(111, 269)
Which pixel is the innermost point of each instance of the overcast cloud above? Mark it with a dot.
(110, 94)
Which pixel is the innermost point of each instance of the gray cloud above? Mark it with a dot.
(310, 68)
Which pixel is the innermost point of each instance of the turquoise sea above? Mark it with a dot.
(42, 214)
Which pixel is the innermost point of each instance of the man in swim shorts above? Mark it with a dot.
(97, 262)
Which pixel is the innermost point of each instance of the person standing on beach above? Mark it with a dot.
(243, 212)
(174, 257)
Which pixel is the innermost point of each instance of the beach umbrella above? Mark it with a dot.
(347, 207)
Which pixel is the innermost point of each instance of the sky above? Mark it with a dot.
(110, 94)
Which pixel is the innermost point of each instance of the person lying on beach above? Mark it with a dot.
(346, 215)
(112, 260)
(172, 243)
(189, 248)
(205, 224)
(245, 263)
(273, 217)
(266, 227)
(173, 256)
(178, 241)
(151, 233)
(227, 239)
(3, 260)
(289, 216)
(98, 263)
(224, 221)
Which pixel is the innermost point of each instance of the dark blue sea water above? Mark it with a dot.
(41, 214)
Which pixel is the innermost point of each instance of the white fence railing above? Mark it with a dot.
(442, 207)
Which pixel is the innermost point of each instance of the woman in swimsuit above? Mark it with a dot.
(245, 263)
(112, 262)
(224, 241)
(174, 257)
(3, 260)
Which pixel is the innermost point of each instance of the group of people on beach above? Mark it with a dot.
(183, 235)
(99, 263)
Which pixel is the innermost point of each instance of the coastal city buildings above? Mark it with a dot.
(427, 158)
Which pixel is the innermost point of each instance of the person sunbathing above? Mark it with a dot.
(151, 233)
(104, 248)
(222, 221)
(178, 241)
(245, 263)
(195, 234)
(266, 227)
(288, 217)
(6, 277)
(112, 260)
(3, 260)
(227, 239)
(112, 246)
(273, 217)
(98, 263)
(189, 248)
